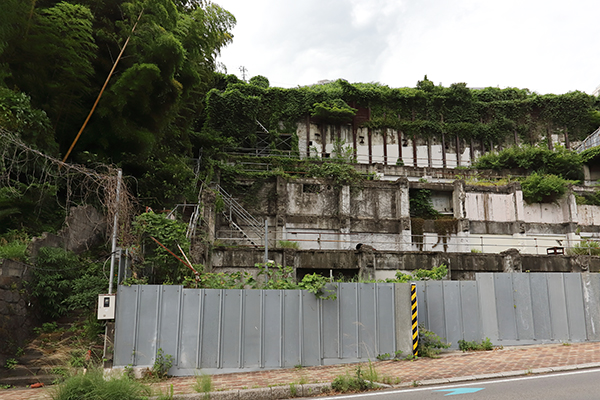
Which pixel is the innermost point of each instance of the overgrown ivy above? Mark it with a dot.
(489, 114)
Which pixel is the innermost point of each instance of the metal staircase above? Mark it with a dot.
(254, 232)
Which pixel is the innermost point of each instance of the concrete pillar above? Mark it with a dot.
(344, 213)
(463, 234)
(404, 242)
(403, 318)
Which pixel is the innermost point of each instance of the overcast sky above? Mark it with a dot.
(547, 46)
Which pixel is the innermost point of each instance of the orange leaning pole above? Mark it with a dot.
(183, 262)
(102, 90)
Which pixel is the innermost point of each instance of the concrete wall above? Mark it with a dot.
(315, 214)
(384, 264)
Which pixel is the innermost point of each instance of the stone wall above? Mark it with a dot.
(17, 317)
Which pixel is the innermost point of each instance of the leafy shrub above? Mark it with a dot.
(561, 162)
(14, 250)
(420, 204)
(585, 247)
(484, 345)
(333, 111)
(435, 273)
(93, 386)
(430, 344)
(63, 282)
(539, 188)
(162, 364)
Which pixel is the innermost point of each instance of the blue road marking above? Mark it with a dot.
(459, 391)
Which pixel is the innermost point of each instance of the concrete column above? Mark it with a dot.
(403, 318)
(463, 234)
(344, 212)
(403, 215)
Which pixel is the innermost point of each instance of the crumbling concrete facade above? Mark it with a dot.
(314, 215)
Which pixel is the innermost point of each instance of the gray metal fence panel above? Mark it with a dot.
(272, 328)
(125, 319)
(212, 312)
(505, 307)
(558, 308)
(574, 306)
(386, 337)
(422, 304)
(310, 333)
(331, 329)
(349, 320)
(189, 332)
(146, 325)
(252, 329)
(434, 294)
(292, 345)
(487, 305)
(540, 307)
(229, 354)
(367, 321)
(168, 320)
(471, 321)
(523, 307)
(591, 295)
(452, 312)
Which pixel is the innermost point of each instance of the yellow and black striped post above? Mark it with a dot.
(415, 321)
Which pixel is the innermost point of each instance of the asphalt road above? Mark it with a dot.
(572, 385)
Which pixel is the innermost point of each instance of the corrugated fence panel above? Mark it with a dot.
(190, 328)
(168, 321)
(126, 318)
(542, 325)
(211, 327)
(214, 329)
(470, 311)
(523, 307)
(311, 329)
(505, 307)
(434, 294)
(575, 309)
(487, 305)
(231, 331)
(291, 328)
(385, 318)
(591, 293)
(558, 308)
(349, 318)
(272, 328)
(147, 319)
(252, 329)
(452, 312)
(331, 328)
(367, 321)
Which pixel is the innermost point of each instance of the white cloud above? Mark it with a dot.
(546, 46)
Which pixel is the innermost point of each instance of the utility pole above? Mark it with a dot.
(243, 70)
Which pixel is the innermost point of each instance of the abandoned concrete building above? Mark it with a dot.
(367, 229)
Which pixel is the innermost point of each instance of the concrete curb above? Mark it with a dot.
(269, 393)
(315, 389)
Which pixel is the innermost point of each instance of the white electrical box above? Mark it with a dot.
(106, 306)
